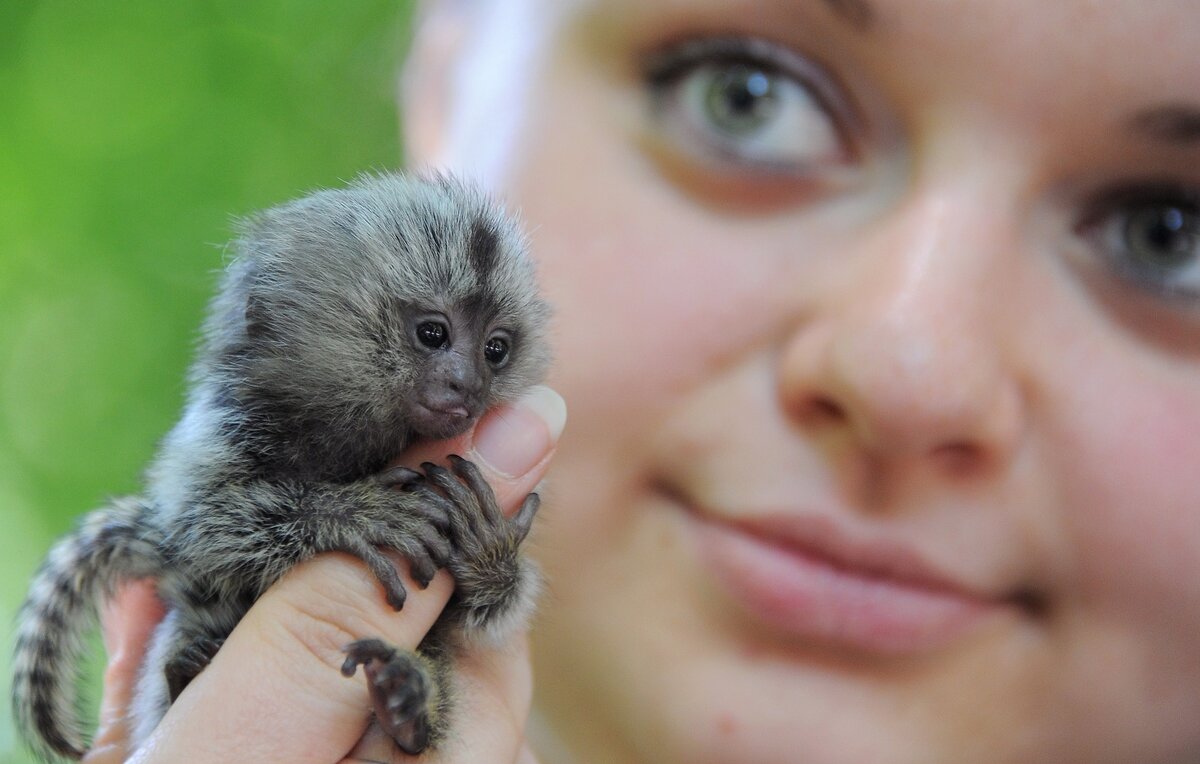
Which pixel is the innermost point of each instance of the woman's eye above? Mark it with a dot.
(1153, 239)
(745, 101)
(1162, 236)
(739, 100)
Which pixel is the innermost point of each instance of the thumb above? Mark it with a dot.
(510, 444)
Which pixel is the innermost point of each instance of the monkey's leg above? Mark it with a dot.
(407, 691)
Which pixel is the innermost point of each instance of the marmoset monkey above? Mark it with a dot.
(350, 323)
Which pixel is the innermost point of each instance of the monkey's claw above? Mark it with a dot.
(366, 651)
(400, 690)
(383, 569)
(482, 519)
(399, 476)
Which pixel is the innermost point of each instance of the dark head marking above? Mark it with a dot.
(482, 245)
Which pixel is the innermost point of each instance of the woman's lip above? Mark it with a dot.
(805, 578)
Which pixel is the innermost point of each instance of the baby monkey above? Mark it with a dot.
(350, 323)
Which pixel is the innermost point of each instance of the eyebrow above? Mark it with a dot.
(1173, 123)
(858, 13)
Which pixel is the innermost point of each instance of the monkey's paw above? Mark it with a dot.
(494, 584)
(396, 519)
(401, 690)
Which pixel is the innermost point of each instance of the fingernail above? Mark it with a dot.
(512, 439)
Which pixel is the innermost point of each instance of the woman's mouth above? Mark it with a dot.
(805, 577)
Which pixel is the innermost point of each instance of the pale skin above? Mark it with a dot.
(906, 307)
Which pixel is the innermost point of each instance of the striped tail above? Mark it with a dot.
(110, 544)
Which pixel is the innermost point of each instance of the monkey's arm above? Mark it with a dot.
(244, 535)
(233, 541)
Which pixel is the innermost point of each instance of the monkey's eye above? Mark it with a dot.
(495, 350)
(432, 334)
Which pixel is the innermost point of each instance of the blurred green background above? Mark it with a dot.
(131, 134)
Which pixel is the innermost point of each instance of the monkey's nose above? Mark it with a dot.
(461, 386)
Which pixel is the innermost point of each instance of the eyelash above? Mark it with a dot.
(668, 69)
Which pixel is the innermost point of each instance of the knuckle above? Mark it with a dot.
(334, 599)
(324, 604)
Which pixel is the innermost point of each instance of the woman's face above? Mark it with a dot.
(879, 324)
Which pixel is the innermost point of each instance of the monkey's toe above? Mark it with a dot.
(398, 476)
(422, 568)
(401, 688)
(365, 651)
(381, 565)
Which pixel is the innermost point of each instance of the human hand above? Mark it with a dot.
(274, 693)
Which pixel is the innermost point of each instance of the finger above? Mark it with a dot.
(127, 621)
(512, 445)
(495, 684)
(274, 692)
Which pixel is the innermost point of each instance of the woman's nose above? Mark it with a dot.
(908, 357)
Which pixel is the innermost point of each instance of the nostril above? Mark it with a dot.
(820, 410)
(958, 457)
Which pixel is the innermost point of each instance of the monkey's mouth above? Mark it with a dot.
(442, 420)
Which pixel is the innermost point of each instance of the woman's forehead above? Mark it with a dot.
(1131, 60)
(1117, 25)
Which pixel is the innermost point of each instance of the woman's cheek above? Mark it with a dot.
(642, 307)
(1134, 507)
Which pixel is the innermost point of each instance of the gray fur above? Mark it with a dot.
(309, 380)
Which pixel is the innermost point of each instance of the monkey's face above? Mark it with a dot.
(394, 309)
(457, 359)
